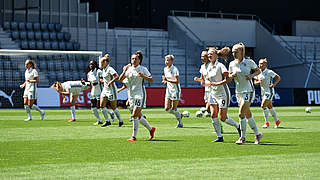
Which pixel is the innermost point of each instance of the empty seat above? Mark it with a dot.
(66, 66)
(16, 75)
(44, 27)
(54, 45)
(32, 44)
(14, 65)
(37, 36)
(47, 45)
(76, 46)
(39, 44)
(69, 46)
(51, 66)
(22, 26)
(60, 36)
(51, 27)
(58, 27)
(23, 35)
(45, 36)
(36, 26)
(43, 65)
(23, 44)
(14, 26)
(29, 26)
(62, 45)
(66, 36)
(15, 35)
(52, 36)
(30, 35)
(6, 25)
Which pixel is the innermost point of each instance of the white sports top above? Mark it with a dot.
(215, 74)
(171, 73)
(266, 78)
(107, 75)
(30, 74)
(135, 83)
(203, 71)
(94, 76)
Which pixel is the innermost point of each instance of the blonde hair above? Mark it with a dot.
(240, 46)
(264, 60)
(170, 56)
(56, 85)
(221, 53)
(33, 64)
(105, 58)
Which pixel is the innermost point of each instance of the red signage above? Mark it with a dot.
(82, 100)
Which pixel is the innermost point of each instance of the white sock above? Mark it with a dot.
(217, 127)
(145, 123)
(178, 116)
(274, 114)
(243, 126)
(231, 122)
(266, 114)
(253, 125)
(135, 127)
(105, 113)
(73, 112)
(117, 112)
(35, 107)
(96, 113)
(27, 108)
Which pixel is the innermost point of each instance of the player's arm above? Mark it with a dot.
(123, 74)
(124, 86)
(201, 79)
(226, 80)
(36, 80)
(23, 85)
(116, 77)
(278, 78)
(175, 80)
(147, 78)
(256, 72)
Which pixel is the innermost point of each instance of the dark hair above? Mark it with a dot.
(140, 56)
(95, 65)
(33, 64)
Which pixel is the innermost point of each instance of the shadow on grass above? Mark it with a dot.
(167, 140)
(193, 127)
(288, 128)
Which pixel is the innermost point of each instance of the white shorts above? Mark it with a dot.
(137, 101)
(246, 97)
(30, 94)
(173, 95)
(267, 95)
(222, 101)
(206, 96)
(112, 96)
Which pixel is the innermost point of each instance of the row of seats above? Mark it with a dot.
(49, 45)
(30, 26)
(8, 64)
(54, 76)
(78, 66)
(38, 36)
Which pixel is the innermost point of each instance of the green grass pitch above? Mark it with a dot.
(57, 149)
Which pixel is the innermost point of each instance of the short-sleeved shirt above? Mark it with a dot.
(30, 74)
(75, 87)
(243, 69)
(170, 73)
(94, 76)
(135, 83)
(107, 75)
(203, 71)
(215, 74)
(266, 79)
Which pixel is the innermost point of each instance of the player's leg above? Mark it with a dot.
(94, 109)
(35, 107)
(113, 105)
(135, 122)
(274, 115)
(252, 124)
(27, 108)
(242, 119)
(174, 105)
(215, 121)
(264, 105)
(103, 107)
(73, 99)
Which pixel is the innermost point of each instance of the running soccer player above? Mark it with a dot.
(265, 79)
(136, 74)
(30, 89)
(240, 70)
(71, 89)
(219, 96)
(173, 91)
(109, 92)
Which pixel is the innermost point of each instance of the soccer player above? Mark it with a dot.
(109, 92)
(265, 79)
(30, 89)
(218, 77)
(173, 91)
(71, 89)
(136, 74)
(240, 70)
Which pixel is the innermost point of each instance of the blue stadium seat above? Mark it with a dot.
(15, 35)
(58, 27)
(52, 76)
(43, 65)
(52, 36)
(47, 45)
(30, 35)
(51, 27)
(45, 36)
(6, 25)
(62, 45)
(22, 26)
(14, 65)
(69, 46)
(66, 36)
(29, 26)
(14, 26)
(60, 36)
(32, 44)
(7, 64)
(23, 35)
(66, 66)
(54, 45)
(44, 27)
(39, 45)
(36, 26)
(1, 74)
(76, 46)
(37, 36)
(23, 44)
(16, 75)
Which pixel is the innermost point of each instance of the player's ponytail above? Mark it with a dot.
(223, 53)
(140, 56)
(106, 57)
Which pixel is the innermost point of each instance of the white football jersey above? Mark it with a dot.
(75, 87)
(266, 78)
(30, 74)
(135, 83)
(204, 72)
(171, 73)
(243, 69)
(94, 76)
(107, 75)
(215, 74)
